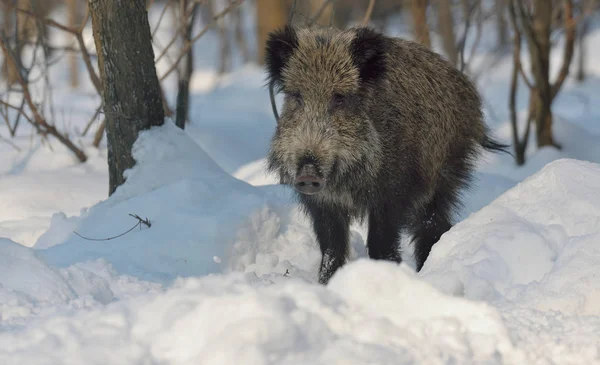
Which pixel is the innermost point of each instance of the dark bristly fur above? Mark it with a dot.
(392, 128)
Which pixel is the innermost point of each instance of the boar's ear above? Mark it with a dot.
(280, 46)
(368, 53)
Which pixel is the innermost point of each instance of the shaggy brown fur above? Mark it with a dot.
(389, 127)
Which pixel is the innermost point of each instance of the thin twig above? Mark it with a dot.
(141, 221)
(517, 60)
(99, 133)
(477, 38)
(292, 11)
(160, 17)
(92, 120)
(20, 110)
(317, 15)
(180, 31)
(186, 48)
(569, 48)
(13, 129)
(10, 143)
(523, 16)
(524, 75)
(88, 64)
(146, 221)
(48, 21)
(514, 85)
(78, 35)
(39, 120)
(463, 41)
(368, 13)
(86, 17)
(167, 47)
(52, 48)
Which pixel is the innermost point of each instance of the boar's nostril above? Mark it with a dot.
(308, 184)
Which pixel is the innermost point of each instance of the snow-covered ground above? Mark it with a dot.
(226, 273)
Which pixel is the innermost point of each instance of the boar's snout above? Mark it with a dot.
(308, 180)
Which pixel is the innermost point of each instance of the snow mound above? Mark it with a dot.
(371, 312)
(192, 204)
(536, 243)
(514, 283)
(24, 277)
(30, 190)
(255, 173)
(277, 240)
(29, 287)
(534, 254)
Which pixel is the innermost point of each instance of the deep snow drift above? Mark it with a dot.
(526, 266)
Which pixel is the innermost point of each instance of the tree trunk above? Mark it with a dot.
(542, 22)
(520, 145)
(501, 25)
(73, 70)
(130, 89)
(583, 30)
(419, 15)
(544, 134)
(313, 7)
(224, 48)
(240, 37)
(270, 15)
(7, 28)
(446, 30)
(186, 68)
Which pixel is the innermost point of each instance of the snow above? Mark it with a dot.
(188, 199)
(226, 273)
(515, 282)
(233, 319)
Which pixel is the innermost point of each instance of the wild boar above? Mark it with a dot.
(373, 127)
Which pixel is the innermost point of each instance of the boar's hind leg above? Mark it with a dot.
(332, 229)
(383, 240)
(433, 223)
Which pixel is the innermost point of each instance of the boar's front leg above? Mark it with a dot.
(332, 229)
(383, 240)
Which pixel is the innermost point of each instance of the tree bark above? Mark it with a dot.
(72, 20)
(270, 15)
(542, 23)
(312, 8)
(581, 35)
(224, 48)
(186, 67)
(501, 25)
(446, 29)
(240, 36)
(419, 15)
(7, 27)
(520, 145)
(130, 89)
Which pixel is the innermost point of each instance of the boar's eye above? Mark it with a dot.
(296, 98)
(338, 101)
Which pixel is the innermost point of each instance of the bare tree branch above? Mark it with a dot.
(468, 11)
(292, 11)
(186, 48)
(92, 120)
(319, 12)
(161, 16)
(569, 47)
(368, 13)
(78, 34)
(39, 120)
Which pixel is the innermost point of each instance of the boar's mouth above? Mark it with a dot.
(308, 179)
